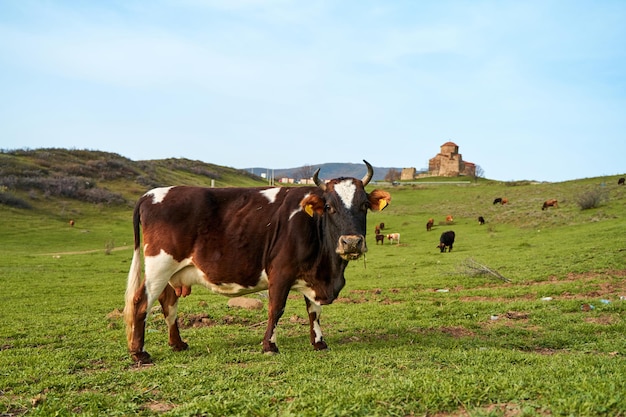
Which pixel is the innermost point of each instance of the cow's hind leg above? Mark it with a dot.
(158, 270)
(137, 326)
(169, 305)
(315, 311)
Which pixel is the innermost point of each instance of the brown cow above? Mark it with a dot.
(429, 224)
(550, 203)
(236, 241)
(72, 223)
(380, 238)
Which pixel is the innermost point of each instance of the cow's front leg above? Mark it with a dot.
(169, 305)
(315, 311)
(277, 299)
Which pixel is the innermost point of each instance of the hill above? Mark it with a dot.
(32, 177)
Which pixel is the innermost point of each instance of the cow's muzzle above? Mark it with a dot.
(351, 247)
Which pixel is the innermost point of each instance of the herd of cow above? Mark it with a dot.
(446, 240)
(237, 241)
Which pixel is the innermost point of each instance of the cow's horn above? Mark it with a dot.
(370, 173)
(318, 182)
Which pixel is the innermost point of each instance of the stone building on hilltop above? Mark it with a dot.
(449, 163)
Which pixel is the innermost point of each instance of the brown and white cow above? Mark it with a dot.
(236, 241)
(394, 236)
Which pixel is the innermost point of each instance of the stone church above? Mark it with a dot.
(449, 163)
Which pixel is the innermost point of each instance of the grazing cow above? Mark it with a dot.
(621, 181)
(236, 241)
(72, 223)
(502, 201)
(380, 238)
(449, 219)
(446, 241)
(394, 236)
(550, 203)
(429, 224)
(481, 220)
(381, 226)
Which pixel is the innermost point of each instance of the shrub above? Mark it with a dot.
(13, 201)
(592, 198)
(100, 195)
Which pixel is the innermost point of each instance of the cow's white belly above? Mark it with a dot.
(190, 275)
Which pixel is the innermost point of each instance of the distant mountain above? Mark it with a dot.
(327, 171)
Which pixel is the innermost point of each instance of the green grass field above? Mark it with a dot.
(414, 332)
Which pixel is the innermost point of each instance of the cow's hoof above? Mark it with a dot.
(180, 346)
(141, 358)
(270, 349)
(320, 346)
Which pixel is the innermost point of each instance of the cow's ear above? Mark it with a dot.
(379, 199)
(312, 204)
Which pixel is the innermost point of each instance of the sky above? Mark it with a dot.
(530, 90)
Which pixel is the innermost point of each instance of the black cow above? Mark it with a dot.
(621, 181)
(481, 220)
(236, 241)
(446, 241)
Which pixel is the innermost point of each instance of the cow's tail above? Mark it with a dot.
(134, 278)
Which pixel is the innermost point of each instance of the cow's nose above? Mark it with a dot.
(351, 241)
(351, 244)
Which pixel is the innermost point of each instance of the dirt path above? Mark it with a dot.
(82, 252)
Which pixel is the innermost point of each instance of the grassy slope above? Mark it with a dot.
(398, 346)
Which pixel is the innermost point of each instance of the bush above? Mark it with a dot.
(13, 201)
(592, 198)
(100, 195)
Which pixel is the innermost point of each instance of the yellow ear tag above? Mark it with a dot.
(309, 209)
(382, 203)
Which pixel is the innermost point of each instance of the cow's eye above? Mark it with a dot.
(329, 209)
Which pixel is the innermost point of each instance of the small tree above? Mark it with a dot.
(479, 172)
(393, 175)
(305, 172)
